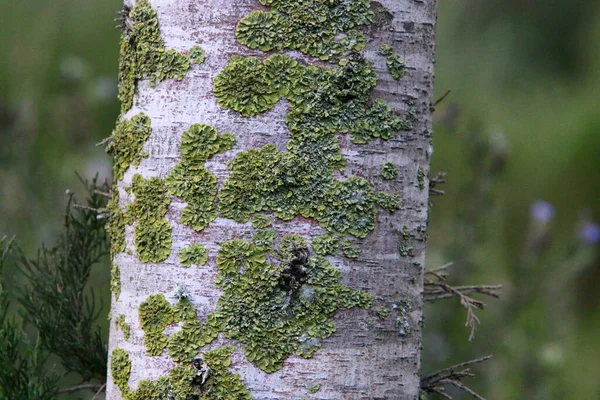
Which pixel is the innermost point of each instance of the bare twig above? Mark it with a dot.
(453, 376)
(438, 101)
(102, 389)
(82, 207)
(93, 386)
(438, 179)
(108, 195)
(104, 141)
(435, 289)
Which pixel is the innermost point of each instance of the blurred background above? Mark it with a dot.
(519, 137)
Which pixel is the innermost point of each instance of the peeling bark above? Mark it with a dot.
(374, 354)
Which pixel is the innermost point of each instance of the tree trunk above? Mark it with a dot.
(234, 201)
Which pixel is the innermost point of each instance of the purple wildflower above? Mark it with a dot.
(589, 233)
(542, 211)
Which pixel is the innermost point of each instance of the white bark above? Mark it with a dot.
(366, 358)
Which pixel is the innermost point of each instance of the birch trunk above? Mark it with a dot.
(375, 352)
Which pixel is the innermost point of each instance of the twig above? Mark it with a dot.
(82, 207)
(104, 194)
(439, 178)
(436, 383)
(92, 386)
(437, 289)
(442, 98)
(97, 395)
(104, 141)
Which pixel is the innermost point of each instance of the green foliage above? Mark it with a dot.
(193, 254)
(323, 29)
(143, 54)
(191, 181)
(126, 143)
(326, 245)
(395, 63)
(155, 313)
(389, 171)
(152, 232)
(24, 374)
(55, 297)
(197, 55)
(271, 322)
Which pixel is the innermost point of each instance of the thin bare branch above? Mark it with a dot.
(92, 386)
(99, 392)
(438, 101)
(435, 289)
(453, 376)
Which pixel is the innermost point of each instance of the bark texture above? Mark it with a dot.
(374, 353)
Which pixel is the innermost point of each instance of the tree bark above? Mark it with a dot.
(375, 350)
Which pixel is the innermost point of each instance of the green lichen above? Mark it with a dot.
(115, 226)
(126, 143)
(143, 54)
(179, 385)
(323, 29)
(243, 86)
(115, 281)
(124, 326)
(267, 179)
(200, 142)
(120, 368)
(323, 100)
(195, 254)
(197, 55)
(325, 245)
(405, 250)
(300, 181)
(315, 388)
(421, 178)
(395, 63)
(184, 311)
(155, 314)
(272, 320)
(191, 181)
(264, 239)
(350, 250)
(391, 202)
(261, 222)
(383, 312)
(389, 171)
(222, 384)
(405, 232)
(185, 344)
(152, 232)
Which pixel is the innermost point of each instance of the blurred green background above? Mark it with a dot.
(519, 137)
